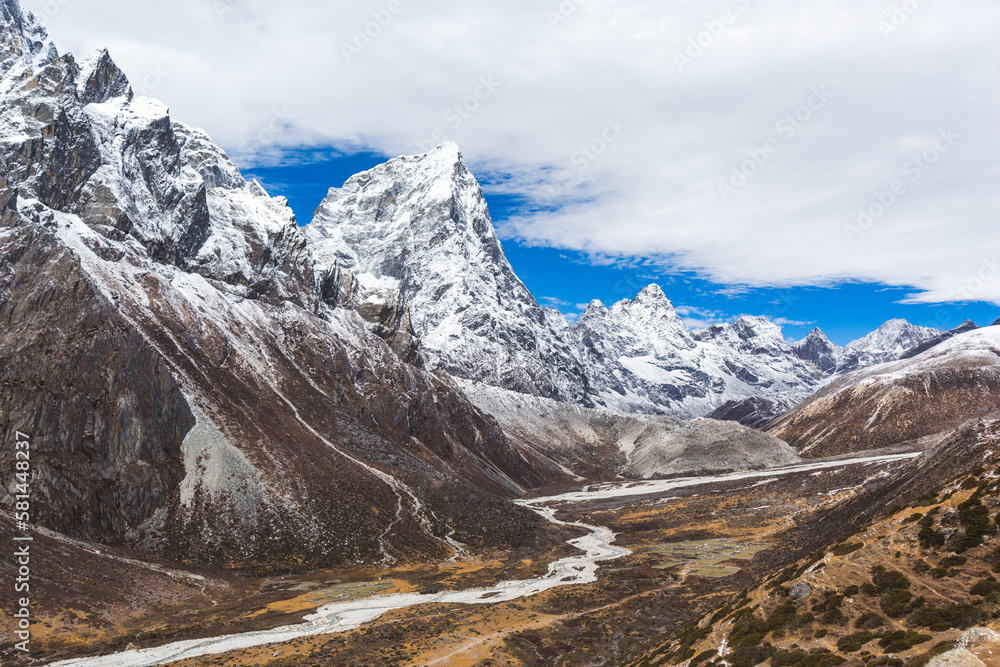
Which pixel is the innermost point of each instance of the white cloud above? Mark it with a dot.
(623, 148)
(553, 302)
(701, 318)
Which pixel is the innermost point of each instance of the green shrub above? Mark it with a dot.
(986, 587)
(822, 632)
(976, 518)
(883, 579)
(787, 658)
(750, 656)
(928, 536)
(869, 621)
(902, 640)
(913, 517)
(939, 619)
(852, 643)
(846, 548)
(894, 602)
(702, 657)
(851, 591)
(921, 566)
(953, 561)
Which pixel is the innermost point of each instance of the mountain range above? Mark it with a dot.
(197, 347)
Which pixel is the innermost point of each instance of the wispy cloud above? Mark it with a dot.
(651, 192)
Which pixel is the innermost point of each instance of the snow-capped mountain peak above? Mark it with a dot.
(420, 227)
(887, 343)
(819, 350)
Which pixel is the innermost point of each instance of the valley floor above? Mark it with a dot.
(637, 598)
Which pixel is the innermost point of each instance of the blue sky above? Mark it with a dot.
(568, 280)
(735, 142)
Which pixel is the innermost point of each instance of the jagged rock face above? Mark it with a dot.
(754, 412)
(78, 141)
(934, 392)
(168, 347)
(419, 227)
(967, 325)
(887, 343)
(105, 413)
(820, 351)
(640, 357)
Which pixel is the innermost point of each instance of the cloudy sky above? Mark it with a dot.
(746, 145)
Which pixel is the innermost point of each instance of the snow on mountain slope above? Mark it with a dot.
(820, 350)
(418, 226)
(600, 444)
(169, 347)
(889, 342)
(898, 401)
(640, 357)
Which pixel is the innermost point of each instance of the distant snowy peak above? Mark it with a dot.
(887, 343)
(819, 350)
(420, 225)
(24, 45)
(749, 335)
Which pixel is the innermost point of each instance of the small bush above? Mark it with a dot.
(939, 619)
(702, 657)
(750, 656)
(853, 643)
(851, 591)
(869, 621)
(986, 587)
(953, 561)
(929, 538)
(895, 602)
(846, 548)
(902, 640)
(883, 579)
